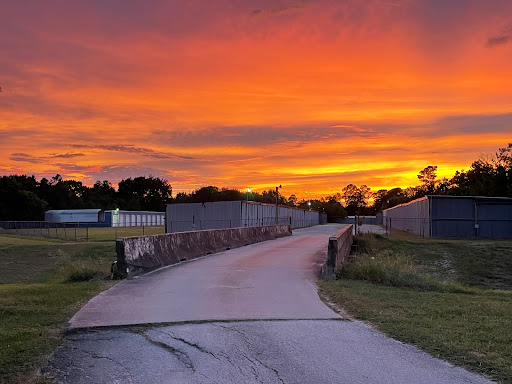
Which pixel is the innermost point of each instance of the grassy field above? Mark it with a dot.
(452, 298)
(43, 282)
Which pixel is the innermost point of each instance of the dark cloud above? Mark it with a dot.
(470, 124)
(66, 155)
(278, 10)
(115, 173)
(132, 149)
(73, 167)
(503, 37)
(258, 136)
(24, 157)
(499, 40)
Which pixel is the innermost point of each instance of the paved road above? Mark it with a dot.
(249, 315)
(270, 280)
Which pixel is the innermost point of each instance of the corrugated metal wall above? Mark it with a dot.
(135, 218)
(453, 217)
(412, 217)
(231, 214)
(494, 219)
(199, 216)
(485, 217)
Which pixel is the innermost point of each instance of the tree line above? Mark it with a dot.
(490, 175)
(22, 197)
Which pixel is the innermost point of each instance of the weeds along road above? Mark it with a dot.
(247, 315)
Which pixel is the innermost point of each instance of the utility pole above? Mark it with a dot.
(277, 203)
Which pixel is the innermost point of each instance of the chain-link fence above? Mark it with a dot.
(416, 226)
(390, 226)
(86, 232)
(75, 231)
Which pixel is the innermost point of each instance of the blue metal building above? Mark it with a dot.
(453, 216)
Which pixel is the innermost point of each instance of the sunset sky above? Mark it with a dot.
(312, 95)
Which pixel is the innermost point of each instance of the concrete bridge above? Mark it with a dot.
(246, 315)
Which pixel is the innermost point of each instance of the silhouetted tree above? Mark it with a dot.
(355, 198)
(428, 179)
(102, 195)
(292, 200)
(144, 193)
(17, 203)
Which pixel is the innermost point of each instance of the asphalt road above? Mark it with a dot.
(248, 315)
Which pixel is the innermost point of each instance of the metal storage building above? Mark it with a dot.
(110, 218)
(135, 218)
(74, 216)
(232, 214)
(453, 216)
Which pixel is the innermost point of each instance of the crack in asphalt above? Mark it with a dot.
(250, 347)
(97, 356)
(220, 353)
(180, 355)
(194, 345)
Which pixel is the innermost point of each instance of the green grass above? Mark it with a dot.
(440, 295)
(107, 234)
(32, 320)
(485, 264)
(42, 284)
(38, 260)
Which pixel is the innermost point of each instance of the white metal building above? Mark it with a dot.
(110, 218)
(231, 214)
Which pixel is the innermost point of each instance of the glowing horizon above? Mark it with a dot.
(313, 95)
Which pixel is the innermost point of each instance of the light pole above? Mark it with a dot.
(277, 203)
(309, 205)
(248, 191)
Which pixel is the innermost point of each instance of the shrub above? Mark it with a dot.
(80, 270)
(397, 269)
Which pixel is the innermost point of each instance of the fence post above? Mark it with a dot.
(75, 232)
(65, 234)
(87, 233)
(142, 229)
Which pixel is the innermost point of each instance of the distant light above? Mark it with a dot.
(117, 209)
(309, 202)
(249, 190)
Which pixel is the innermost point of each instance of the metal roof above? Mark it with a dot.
(61, 211)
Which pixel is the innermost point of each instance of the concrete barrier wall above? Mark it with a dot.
(337, 252)
(138, 255)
